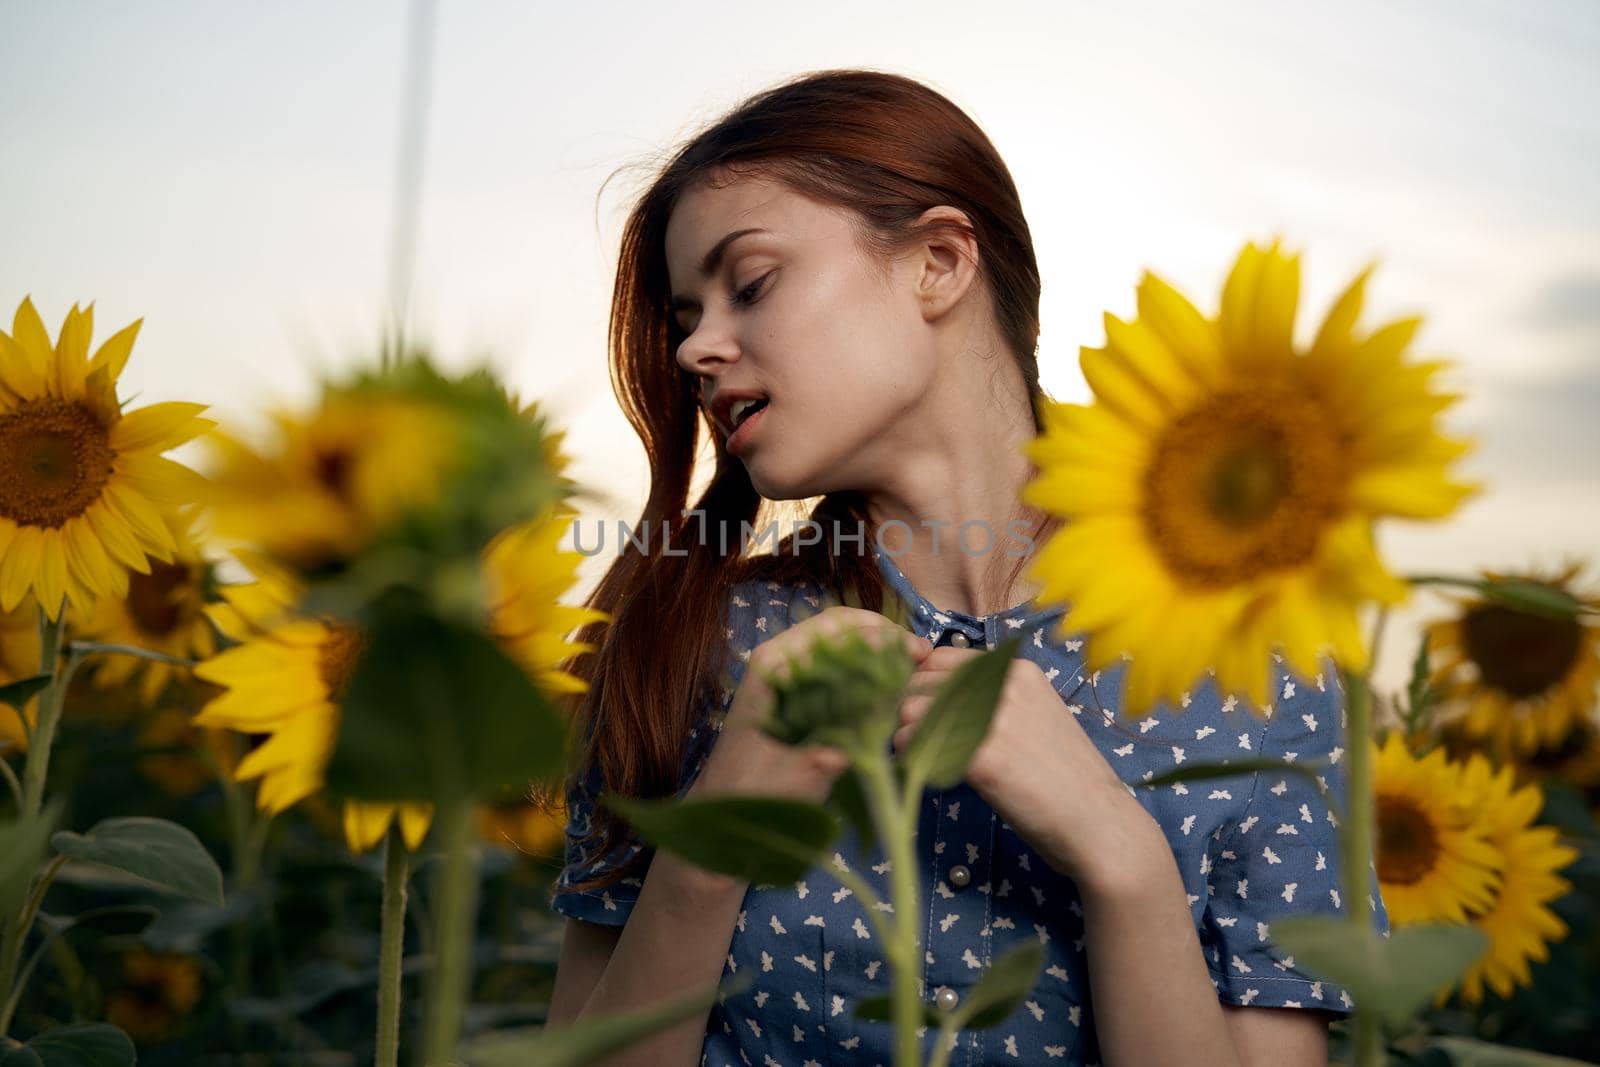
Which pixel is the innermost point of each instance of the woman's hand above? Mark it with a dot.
(744, 759)
(1037, 768)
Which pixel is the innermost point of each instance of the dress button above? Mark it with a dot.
(960, 875)
(946, 999)
(959, 640)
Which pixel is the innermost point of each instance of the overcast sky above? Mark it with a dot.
(227, 171)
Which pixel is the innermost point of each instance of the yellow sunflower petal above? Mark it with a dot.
(112, 355)
(365, 824)
(20, 565)
(72, 353)
(29, 331)
(160, 426)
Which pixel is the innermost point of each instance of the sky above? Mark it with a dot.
(228, 172)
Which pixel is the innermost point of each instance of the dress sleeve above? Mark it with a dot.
(1282, 857)
(612, 904)
(609, 905)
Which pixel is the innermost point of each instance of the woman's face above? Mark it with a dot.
(796, 313)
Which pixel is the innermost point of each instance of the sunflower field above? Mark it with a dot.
(279, 731)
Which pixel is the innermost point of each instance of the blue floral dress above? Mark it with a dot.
(1252, 848)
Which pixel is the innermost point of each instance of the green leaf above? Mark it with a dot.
(958, 718)
(582, 1043)
(1467, 1052)
(162, 853)
(115, 920)
(18, 693)
(1419, 694)
(436, 710)
(760, 839)
(1533, 598)
(1392, 977)
(1200, 772)
(22, 848)
(1004, 985)
(84, 1045)
(849, 796)
(880, 1009)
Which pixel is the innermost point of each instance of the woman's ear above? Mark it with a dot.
(945, 264)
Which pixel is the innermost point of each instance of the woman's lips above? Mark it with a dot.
(741, 436)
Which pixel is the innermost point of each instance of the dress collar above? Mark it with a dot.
(932, 622)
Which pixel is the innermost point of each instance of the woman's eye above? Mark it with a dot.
(747, 295)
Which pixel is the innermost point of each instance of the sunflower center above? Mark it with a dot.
(337, 661)
(1406, 844)
(57, 457)
(1521, 655)
(153, 604)
(1243, 484)
(333, 470)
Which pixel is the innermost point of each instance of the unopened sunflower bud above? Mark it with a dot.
(847, 689)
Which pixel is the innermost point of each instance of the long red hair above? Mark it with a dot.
(887, 148)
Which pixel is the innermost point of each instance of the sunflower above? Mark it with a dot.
(1434, 860)
(1517, 922)
(523, 827)
(284, 679)
(155, 996)
(330, 481)
(1518, 680)
(526, 572)
(84, 483)
(173, 743)
(286, 676)
(1575, 761)
(163, 610)
(20, 653)
(1221, 488)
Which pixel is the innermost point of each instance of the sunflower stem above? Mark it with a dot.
(50, 704)
(15, 935)
(1357, 832)
(30, 912)
(392, 936)
(897, 830)
(455, 918)
(89, 648)
(12, 783)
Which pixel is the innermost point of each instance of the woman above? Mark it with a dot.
(838, 280)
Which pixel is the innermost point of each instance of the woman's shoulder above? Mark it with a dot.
(755, 608)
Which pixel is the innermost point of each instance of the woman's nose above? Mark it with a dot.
(706, 356)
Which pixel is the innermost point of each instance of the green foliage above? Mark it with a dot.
(583, 1043)
(1201, 772)
(1394, 976)
(22, 846)
(763, 839)
(845, 692)
(1465, 1052)
(160, 853)
(86, 1045)
(958, 717)
(18, 693)
(498, 479)
(1002, 989)
(436, 710)
(849, 797)
(1420, 697)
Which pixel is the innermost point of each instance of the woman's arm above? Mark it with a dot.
(675, 940)
(1154, 1001)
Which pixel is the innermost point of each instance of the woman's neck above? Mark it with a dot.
(964, 525)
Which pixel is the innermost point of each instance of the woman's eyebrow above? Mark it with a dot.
(712, 261)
